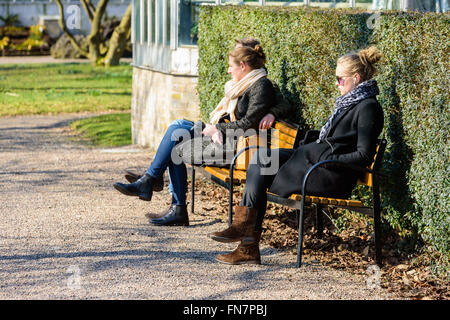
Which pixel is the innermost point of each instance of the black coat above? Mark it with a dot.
(352, 139)
(251, 107)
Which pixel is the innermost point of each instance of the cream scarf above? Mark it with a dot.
(233, 90)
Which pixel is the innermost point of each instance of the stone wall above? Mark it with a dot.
(158, 99)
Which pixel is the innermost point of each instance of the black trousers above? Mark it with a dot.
(260, 174)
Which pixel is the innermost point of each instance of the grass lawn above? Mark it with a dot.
(63, 88)
(109, 130)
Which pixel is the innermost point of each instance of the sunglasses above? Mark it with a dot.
(341, 80)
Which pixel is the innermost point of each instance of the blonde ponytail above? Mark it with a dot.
(362, 62)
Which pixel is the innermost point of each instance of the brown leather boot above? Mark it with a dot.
(243, 254)
(242, 228)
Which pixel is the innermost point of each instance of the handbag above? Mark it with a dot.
(201, 150)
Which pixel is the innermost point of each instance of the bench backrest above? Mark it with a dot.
(281, 135)
(367, 179)
(284, 135)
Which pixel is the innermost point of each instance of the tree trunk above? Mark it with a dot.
(94, 37)
(118, 40)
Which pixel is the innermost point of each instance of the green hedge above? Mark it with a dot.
(302, 46)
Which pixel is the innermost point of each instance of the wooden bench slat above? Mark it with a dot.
(277, 144)
(277, 135)
(239, 176)
(327, 201)
(218, 173)
(354, 203)
(287, 129)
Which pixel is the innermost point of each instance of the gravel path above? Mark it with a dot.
(67, 234)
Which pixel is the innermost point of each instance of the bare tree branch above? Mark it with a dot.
(91, 6)
(88, 9)
(118, 39)
(95, 37)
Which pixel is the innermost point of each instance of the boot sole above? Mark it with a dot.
(244, 240)
(239, 262)
(224, 240)
(144, 198)
(128, 193)
(154, 215)
(179, 224)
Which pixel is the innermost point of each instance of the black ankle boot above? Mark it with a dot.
(142, 188)
(177, 216)
(133, 176)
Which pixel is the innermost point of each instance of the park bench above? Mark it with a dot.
(287, 135)
(282, 135)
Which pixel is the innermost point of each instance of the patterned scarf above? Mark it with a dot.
(363, 91)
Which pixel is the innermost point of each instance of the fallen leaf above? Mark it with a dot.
(402, 267)
(366, 251)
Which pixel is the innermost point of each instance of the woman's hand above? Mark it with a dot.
(217, 137)
(209, 130)
(267, 121)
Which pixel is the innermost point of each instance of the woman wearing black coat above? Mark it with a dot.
(349, 135)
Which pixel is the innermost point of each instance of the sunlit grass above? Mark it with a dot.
(110, 130)
(63, 88)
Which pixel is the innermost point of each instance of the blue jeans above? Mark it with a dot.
(177, 130)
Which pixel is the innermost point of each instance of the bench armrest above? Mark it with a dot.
(238, 153)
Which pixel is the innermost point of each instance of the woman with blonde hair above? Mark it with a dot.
(349, 135)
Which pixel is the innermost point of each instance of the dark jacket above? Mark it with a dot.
(252, 106)
(352, 139)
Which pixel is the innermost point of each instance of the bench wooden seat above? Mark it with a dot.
(327, 201)
(224, 174)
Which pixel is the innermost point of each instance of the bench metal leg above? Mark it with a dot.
(192, 189)
(377, 222)
(230, 204)
(319, 221)
(300, 235)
